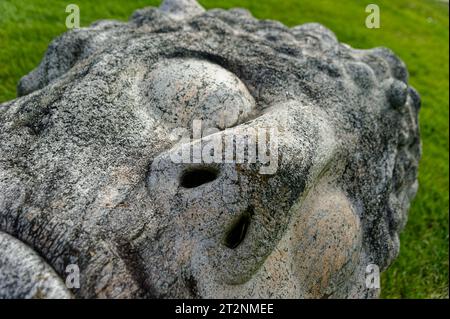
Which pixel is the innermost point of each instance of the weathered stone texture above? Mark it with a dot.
(86, 176)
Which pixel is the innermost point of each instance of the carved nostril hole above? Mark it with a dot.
(196, 177)
(238, 230)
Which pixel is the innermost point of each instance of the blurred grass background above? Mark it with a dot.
(417, 30)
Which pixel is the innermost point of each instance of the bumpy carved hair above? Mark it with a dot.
(365, 92)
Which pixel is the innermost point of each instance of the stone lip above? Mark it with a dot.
(86, 175)
(23, 274)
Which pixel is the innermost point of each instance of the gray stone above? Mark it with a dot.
(23, 274)
(88, 176)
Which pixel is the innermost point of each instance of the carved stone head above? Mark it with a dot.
(94, 170)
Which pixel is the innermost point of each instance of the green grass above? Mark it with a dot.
(417, 30)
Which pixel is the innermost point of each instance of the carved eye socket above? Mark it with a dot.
(197, 177)
(237, 232)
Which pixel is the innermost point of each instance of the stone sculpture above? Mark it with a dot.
(88, 176)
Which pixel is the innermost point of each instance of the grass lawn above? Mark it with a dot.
(417, 30)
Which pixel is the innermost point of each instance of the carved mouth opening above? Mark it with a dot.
(198, 176)
(236, 233)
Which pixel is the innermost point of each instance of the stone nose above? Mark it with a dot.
(193, 177)
(203, 218)
(202, 194)
(200, 176)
